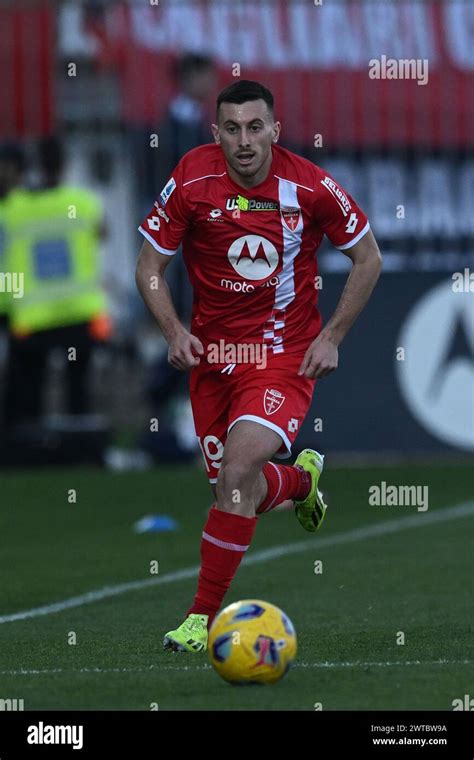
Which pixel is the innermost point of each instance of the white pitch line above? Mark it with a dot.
(358, 534)
(357, 664)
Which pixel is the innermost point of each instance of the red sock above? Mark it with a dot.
(283, 482)
(225, 539)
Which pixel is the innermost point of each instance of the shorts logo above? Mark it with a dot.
(167, 190)
(291, 217)
(253, 257)
(272, 401)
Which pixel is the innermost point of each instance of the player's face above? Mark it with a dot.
(246, 132)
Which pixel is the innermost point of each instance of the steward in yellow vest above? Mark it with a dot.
(11, 169)
(53, 252)
(54, 246)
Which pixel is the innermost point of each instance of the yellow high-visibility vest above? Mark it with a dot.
(7, 206)
(54, 244)
(3, 255)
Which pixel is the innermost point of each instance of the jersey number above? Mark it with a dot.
(214, 456)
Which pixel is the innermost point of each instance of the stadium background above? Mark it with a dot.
(404, 150)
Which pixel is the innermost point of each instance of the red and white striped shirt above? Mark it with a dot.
(250, 254)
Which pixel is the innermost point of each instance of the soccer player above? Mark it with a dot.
(250, 216)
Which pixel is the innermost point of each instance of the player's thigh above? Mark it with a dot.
(250, 444)
(210, 404)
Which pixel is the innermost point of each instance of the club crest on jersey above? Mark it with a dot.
(291, 217)
(167, 190)
(272, 401)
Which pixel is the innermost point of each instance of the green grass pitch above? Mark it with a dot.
(413, 578)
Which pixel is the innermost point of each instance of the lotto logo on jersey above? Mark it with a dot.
(253, 257)
(272, 401)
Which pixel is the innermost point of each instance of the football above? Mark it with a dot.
(252, 642)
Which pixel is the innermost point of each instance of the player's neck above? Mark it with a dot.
(256, 179)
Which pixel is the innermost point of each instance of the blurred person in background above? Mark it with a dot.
(184, 127)
(55, 232)
(12, 166)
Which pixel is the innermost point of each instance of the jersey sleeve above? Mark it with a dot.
(337, 214)
(166, 224)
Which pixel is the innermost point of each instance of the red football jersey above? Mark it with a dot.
(250, 253)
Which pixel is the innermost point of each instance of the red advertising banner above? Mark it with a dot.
(27, 45)
(360, 73)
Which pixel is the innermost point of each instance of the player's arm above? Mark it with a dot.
(154, 289)
(163, 229)
(321, 358)
(337, 214)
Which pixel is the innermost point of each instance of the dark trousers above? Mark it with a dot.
(26, 372)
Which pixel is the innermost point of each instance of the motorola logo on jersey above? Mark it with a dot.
(253, 257)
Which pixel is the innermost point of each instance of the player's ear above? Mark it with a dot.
(276, 131)
(215, 133)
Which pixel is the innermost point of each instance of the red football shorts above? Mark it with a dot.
(221, 395)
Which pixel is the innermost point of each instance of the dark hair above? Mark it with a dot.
(50, 155)
(12, 153)
(189, 63)
(244, 90)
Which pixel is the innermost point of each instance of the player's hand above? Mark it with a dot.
(320, 359)
(183, 349)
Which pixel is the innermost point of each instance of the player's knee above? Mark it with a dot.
(235, 475)
(230, 492)
(235, 492)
